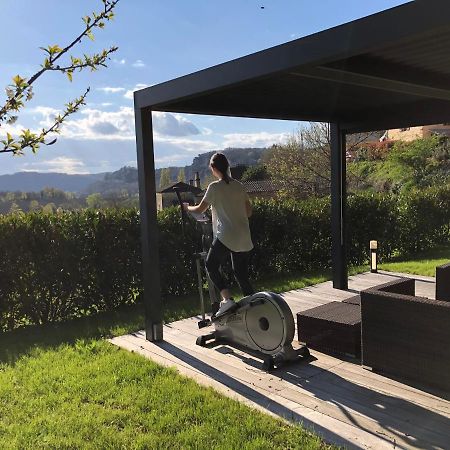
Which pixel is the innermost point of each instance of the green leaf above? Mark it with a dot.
(52, 49)
(90, 35)
(18, 80)
(69, 75)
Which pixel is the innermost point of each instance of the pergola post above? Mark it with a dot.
(149, 225)
(338, 207)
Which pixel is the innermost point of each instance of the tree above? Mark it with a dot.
(94, 201)
(21, 89)
(164, 179)
(255, 173)
(49, 208)
(34, 205)
(302, 166)
(181, 175)
(14, 208)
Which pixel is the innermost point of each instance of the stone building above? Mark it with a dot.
(411, 133)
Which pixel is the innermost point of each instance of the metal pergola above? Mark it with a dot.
(387, 70)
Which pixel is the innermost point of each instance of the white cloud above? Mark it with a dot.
(138, 63)
(110, 90)
(14, 129)
(189, 145)
(96, 124)
(168, 124)
(129, 94)
(44, 110)
(101, 125)
(120, 62)
(262, 139)
(169, 159)
(60, 164)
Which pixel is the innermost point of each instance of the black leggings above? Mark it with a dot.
(239, 260)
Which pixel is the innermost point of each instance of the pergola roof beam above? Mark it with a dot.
(374, 82)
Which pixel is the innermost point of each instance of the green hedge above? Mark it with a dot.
(58, 266)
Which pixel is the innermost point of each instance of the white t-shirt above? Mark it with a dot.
(229, 214)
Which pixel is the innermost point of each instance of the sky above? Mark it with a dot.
(158, 40)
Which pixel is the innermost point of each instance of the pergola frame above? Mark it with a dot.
(388, 70)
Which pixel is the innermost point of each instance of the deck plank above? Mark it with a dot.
(345, 403)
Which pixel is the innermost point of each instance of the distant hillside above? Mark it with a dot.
(113, 183)
(236, 157)
(36, 181)
(124, 179)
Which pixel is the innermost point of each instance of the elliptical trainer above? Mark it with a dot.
(261, 324)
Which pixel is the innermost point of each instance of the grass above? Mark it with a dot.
(91, 395)
(62, 386)
(422, 264)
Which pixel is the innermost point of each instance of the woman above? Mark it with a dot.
(231, 209)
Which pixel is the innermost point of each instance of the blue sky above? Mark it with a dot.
(158, 40)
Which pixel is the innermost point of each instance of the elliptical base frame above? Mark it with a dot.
(262, 325)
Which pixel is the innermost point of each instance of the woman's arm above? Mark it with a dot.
(248, 208)
(200, 208)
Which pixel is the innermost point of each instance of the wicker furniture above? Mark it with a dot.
(443, 282)
(355, 300)
(404, 335)
(331, 328)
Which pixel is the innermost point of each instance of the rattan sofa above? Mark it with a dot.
(443, 282)
(405, 335)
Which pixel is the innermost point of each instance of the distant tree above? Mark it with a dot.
(14, 208)
(303, 165)
(255, 173)
(181, 175)
(21, 89)
(34, 205)
(94, 201)
(164, 180)
(49, 208)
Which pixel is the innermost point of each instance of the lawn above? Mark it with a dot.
(422, 264)
(62, 386)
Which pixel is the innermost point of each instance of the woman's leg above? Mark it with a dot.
(216, 255)
(240, 268)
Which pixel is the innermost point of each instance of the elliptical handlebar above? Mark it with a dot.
(183, 212)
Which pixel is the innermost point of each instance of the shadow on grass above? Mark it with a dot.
(128, 319)
(123, 320)
(432, 254)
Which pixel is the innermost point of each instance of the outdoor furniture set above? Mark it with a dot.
(390, 328)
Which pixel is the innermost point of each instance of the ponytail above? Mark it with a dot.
(220, 162)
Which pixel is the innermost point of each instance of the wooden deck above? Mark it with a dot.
(343, 402)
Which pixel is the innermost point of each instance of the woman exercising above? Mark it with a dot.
(231, 209)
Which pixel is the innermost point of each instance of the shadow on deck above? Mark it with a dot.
(343, 402)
